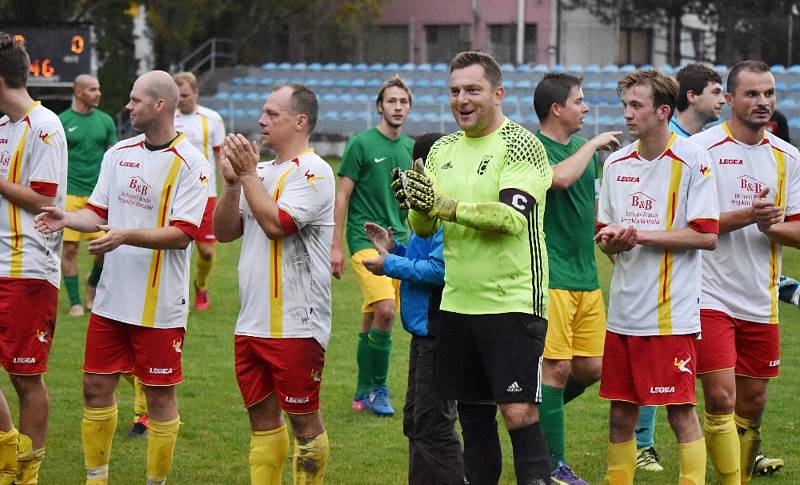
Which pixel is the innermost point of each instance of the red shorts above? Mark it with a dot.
(291, 367)
(649, 371)
(152, 354)
(205, 233)
(28, 310)
(751, 349)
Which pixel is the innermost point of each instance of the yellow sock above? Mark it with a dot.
(160, 448)
(268, 452)
(621, 463)
(8, 456)
(203, 270)
(97, 433)
(310, 459)
(722, 443)
(749, 443)
(139, 399)
(28, 461)
(692, 458)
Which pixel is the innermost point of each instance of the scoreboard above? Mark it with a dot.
(58, 52)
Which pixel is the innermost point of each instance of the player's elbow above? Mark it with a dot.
(561, 181)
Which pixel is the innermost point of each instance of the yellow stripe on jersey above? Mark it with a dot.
(205, 137)
(276, 270)
(774, 253)
(157, 259)
(665, 269)
(14, 211)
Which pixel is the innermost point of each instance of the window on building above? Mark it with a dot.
(387, 43)
(445, 41)
(635, 46)
(503, 38)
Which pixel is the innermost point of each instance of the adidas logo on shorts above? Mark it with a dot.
(514, 387)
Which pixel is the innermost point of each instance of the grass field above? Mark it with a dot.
(214, 439)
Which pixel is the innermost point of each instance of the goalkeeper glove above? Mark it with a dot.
(422, 196)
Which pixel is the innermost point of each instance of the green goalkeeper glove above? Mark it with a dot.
(422, 196)
(399, 187)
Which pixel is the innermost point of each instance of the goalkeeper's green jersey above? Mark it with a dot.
(489, 272)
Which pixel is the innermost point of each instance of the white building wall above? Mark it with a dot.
(585, 40)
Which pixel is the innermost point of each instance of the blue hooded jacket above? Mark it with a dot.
(420, 268)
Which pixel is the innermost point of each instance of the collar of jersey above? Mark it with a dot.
(674, 122)
(296, 157)
(667, 149)
(727, 130)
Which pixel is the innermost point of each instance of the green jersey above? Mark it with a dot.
(491, 272)
(569, 222)
(88, 137)
(368, 161)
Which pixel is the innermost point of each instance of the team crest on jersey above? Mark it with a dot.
(680, 364)
(176, 344)
(705, 170)
(316, 375)
(45, 137)
(203, 179)
(41, 336)
(310, 178)
(446, 165)
(484, 164)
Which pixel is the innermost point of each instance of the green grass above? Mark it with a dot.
(213, 443)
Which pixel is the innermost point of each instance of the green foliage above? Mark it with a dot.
(115, 54)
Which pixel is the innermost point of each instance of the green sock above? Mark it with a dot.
(380, 346)
(71, 282)
(551, 419)
(364, 367)
(94, 276)
(572, 390)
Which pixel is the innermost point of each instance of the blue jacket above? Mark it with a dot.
(420, 269)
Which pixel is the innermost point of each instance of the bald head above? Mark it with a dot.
(160, 85)
(86, 89)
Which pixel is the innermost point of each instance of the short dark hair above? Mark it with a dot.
(423, 145)
(664, 87)
(14, 61)
(748, 65)
(393, 82)
(694, 77)
(490, 66)
(304, 102)
(553, 88)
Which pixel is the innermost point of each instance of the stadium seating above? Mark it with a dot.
(347, 93)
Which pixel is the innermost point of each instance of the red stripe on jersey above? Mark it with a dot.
(98, 210)
(135, 145)
(50, 189)
(173, 150)
(774, 147)
(666, 276)
(187, 227)
(296, 162)
(721, 142)
(27, 121)
(162, 220)
(792, 218)
(216, 149)
(669, 153)
(708, 226)
(627, 157)
(287, 222)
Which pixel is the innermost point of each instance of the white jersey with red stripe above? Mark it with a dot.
(655, 291)
(285, 284)
(145, 188)
(33, 153)
(205, 130)
(740, 278)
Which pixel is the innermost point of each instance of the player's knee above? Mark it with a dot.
(305, 425)
(556, 371)
(752, 405)
(29, 385)
(683, 420)
(206, 251)
(622, 418)
(519, 414)
(719, 400)
(383, 317)
(96, 391)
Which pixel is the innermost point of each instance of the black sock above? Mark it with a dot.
(572, 389)
(483, 459)
(531, 457)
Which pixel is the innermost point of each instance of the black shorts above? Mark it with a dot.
(496, 358)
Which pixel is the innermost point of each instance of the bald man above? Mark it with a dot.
(89, 134)
(149, 200)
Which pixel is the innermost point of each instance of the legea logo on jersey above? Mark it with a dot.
(625, 178)
(3, 141)
(139, 185)
(640, 200)
(731, 161)
(126, 163)
(662, 390)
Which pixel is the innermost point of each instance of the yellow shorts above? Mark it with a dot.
(374, 288)
(577, 324)
(74, 203)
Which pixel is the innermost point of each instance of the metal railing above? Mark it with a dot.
(207, 54)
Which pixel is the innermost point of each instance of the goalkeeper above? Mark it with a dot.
(486, 185)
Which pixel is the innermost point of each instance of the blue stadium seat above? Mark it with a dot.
(224, 112)
(430, 116)
(524, 84)
(360, 67)
(575, 69)
(269, 66)
(531, 118)
(526, 100)
(300, 66)
(222, 95)
(439, 83)
(627, 68)
(524, 68)
(253, 113)
(253, 96)
(440, 67)
(541, 68)
(721, 68)
(612, 85)
(593, 84)
(508, 67)
(794, 69)
(358, 83)
(787, 103)
(777, 69)
(794, 122)
(346, 115)
(362, 115)
(342, 83)
(391, 67)
(362, 98)
(312, 82)
(426, 99)
(239, 113)
(509, 83)
(345, 98)
(374, 82)
(326, 82)
(408, 67)
(559, 68)
(237, 81)
(329, 98)
(644, 67)
(610, 68)
(511, 99)
(329, 115)
(442, 99)
(424, 67)
(346, 67)
(376, 67)
(284, 66)
(331, 66)
(796, 86)
(667, 69)
(250, 81)
(781, 85)
(315, 66)
(592, 69)
(237, 96)
(265, 81)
